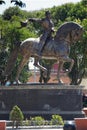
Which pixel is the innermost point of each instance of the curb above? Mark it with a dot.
(34, 127)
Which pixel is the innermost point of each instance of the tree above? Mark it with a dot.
(16, 116)
(12, 36)
(80, 57)
(78, 69)
(12, 11)
(3, 51)
(78, 11)
(84, 2)
(18, 3)
(2, 2)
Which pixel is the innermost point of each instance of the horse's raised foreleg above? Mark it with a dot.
(21, 65)
(37, 64)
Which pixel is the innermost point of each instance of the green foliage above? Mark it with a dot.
(12, 36)
(80, 58)
(3, 60)
(26, 122)
(78, 12)
(57, 120)
(10, 12)
(16, 115)
(26, 74)
(2, 2)
(38, 120)
(84, 3)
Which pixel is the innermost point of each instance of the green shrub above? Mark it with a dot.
(38, 120)
(16, 116)
(26, 122)
(56, 120)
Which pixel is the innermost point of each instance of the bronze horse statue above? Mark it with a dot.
(57, 48)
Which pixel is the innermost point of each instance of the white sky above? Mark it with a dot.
(32, 5)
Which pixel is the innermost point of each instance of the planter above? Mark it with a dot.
(2, 125)
(81, 123)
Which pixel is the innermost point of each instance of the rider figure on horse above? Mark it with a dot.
(48, 28)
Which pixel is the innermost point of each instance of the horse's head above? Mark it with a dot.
(76, 34)
(70, 32)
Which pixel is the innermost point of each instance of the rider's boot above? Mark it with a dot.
(39, 53)
(37, 59)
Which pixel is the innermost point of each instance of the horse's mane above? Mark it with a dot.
(66, 28)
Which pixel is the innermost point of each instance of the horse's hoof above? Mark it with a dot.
(67, 71)
(60, 82)
(16, 82)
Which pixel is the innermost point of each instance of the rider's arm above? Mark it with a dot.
(24, 23)
(35, 20)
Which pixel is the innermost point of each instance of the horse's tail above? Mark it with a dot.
(11, 61)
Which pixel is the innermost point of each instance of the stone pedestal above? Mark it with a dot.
(44, 100)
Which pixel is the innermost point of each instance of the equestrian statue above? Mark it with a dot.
(46, 46)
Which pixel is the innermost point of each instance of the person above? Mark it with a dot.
(48, 27)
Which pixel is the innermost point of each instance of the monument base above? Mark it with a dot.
(48, 115)
(42, 100)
